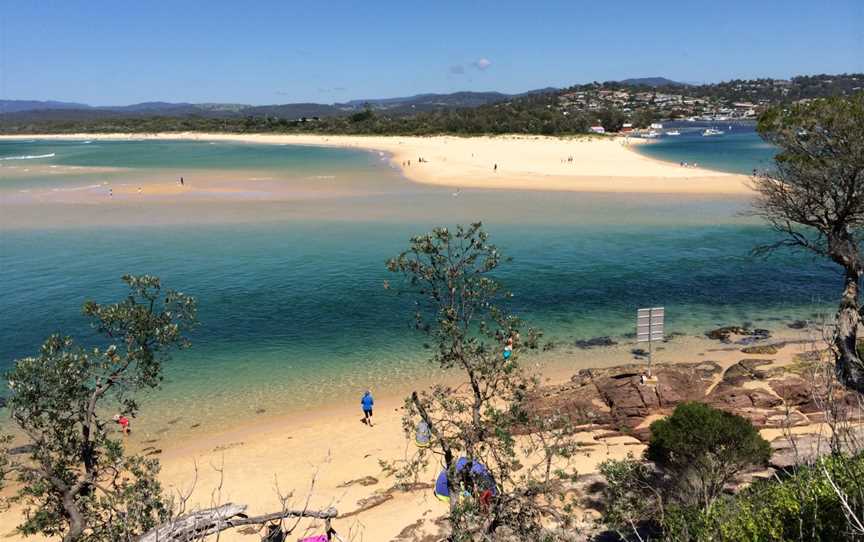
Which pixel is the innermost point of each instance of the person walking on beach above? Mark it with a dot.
(367, 402)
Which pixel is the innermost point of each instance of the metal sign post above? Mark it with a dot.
(649, 328)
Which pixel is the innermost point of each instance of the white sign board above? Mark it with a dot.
(649, 324)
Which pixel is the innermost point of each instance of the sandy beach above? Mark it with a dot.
(581, 164)
(332, 450)
(254, 456)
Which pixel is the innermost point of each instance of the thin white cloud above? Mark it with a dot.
(482, 64)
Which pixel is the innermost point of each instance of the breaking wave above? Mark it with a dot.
(29, 157)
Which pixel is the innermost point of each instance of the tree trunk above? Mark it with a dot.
(849, 366)
(76, 521)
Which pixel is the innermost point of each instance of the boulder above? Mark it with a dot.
(769, 349)
(596, 341)
(802, 449)
(627, 397)
(735, 398)
(746, 370)
(723, 333)
(795, 391)
(677, 384)
(579, 400)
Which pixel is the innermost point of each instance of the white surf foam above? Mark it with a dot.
(77, 188)
(29, 157)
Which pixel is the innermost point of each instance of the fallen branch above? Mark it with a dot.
(197, 525)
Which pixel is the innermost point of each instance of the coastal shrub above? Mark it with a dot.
(631, 500)
(702, 449)
(75, 480)
(800, 506)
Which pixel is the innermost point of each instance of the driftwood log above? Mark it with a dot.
(202, 523)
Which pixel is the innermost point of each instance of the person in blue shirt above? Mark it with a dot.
(366, 402)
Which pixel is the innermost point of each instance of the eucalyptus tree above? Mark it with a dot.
(475, 422)
(76, 481)
(814, 196)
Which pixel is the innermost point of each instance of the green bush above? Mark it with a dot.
(630, 501)
(803, 506)
(702, 449)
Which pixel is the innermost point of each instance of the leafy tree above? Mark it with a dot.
(816, 502)
(461, 306)
(814, 196)
(643, 118)
(611, 119)
(632, 497)
(363, 116)
(702, 449)
(77, 483)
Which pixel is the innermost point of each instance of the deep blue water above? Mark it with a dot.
(738, 150)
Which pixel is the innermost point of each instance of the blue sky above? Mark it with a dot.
(261, 52)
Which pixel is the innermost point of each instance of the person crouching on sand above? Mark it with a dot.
(367, 402)
(123, 421)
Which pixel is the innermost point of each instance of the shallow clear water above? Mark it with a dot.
(293, 310)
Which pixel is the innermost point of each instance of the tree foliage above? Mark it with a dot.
(632, 499)
(458, 302)
(703, 448)
(77, 483)
(814, 196)
(802, 506)
(696, 452)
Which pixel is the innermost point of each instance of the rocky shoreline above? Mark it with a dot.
(772, 394)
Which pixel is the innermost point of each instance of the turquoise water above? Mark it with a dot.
(738, 150)
(294, 309)
(179, 155)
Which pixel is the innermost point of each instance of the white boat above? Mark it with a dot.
(712, 132)
(650, 135)
(673, 133)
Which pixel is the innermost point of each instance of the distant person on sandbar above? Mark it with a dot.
(367, 402)
(181, 181)
(495, 167)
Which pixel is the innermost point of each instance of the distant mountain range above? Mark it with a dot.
(58, 110)
(15, 106)
(652, 82)
(31, 110)
(403, 105)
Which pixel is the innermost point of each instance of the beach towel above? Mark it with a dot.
(319, 538)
